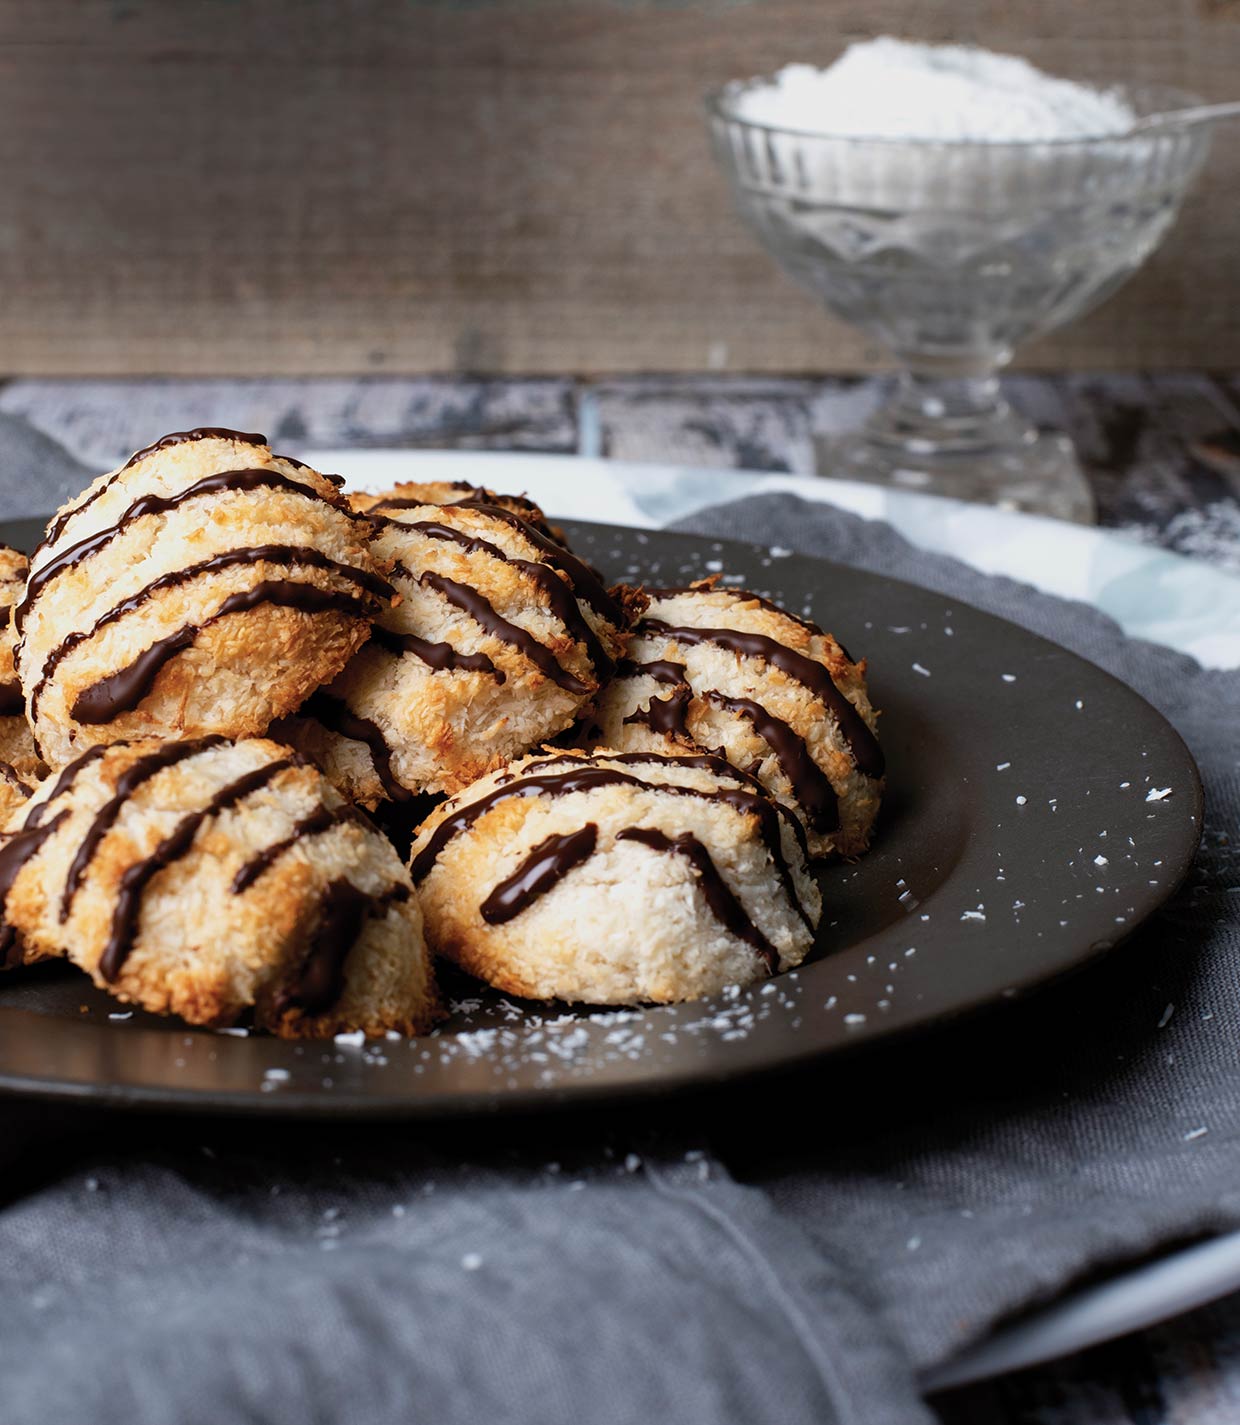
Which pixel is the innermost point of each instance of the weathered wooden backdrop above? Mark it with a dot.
(236, 186)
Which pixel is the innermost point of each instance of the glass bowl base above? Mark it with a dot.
(1038, 473)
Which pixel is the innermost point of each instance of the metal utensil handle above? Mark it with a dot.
(1185, 118)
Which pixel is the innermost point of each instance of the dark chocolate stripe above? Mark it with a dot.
(721, 899)
(466, 598)
(526, 508)
(320, 820)
(440, 656)
(127, 784)
(748, 596)
(545, 866)
(589, 776)
(867, 754)
(136, 879)
(122, 691)
(224, 480)
(336, 716)
(584, 779)
(57, 526)
(407, 502)
(706, 761)
(750, 798)
(741, 596)
(669, 715)
(472, 492)
(14, 854)
(279, 554)
(337, 480)
(583, 579)
(12, 704)
(662, 670)
(12, 777)
(810, 784)
(343, 911)
(68, 775)
(560, 596)
(563, 605)
(177, 437)
(184, 437)
(435, 529)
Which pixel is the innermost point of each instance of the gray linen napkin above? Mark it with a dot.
(1089, 1128)
(212, 1276)
(784, 1252)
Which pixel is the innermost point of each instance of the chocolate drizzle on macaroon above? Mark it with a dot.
(225, 481)
(669, 715)
(862, 743)
(466, 598)
(584, 580)
(175, 845)
(545, 867)
(552, 859)
(28, 840)
(441, 657)
(320, 979)
(580, 775)
(336, 717)
(185, 437)
(122, 691)
(810, 784)
(555, 577)
(179, 437)
(127, 784)
(320, 820)
(282, 555)
(14, 854)
(724, 905)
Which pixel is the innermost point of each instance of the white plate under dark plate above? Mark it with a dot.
(1187, 604)
(1038, 811)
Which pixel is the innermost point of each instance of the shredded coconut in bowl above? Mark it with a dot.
(893, 89)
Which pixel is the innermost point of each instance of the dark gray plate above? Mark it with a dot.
(1038, 811)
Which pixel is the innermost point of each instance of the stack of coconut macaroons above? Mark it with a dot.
(222, 667)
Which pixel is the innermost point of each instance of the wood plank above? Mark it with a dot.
(291, 186)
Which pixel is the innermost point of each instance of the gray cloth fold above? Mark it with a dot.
(313, 1279)
(1090, 1128)
(787, 1251)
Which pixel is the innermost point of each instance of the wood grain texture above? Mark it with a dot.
(282, 186)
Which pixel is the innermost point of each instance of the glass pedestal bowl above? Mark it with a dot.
(951, 254)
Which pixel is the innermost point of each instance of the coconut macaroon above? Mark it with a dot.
(615, 878)
(21, 767)
(410, 494)
(208, 878)
(723, 669)
(500, 639)
(206, 586)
